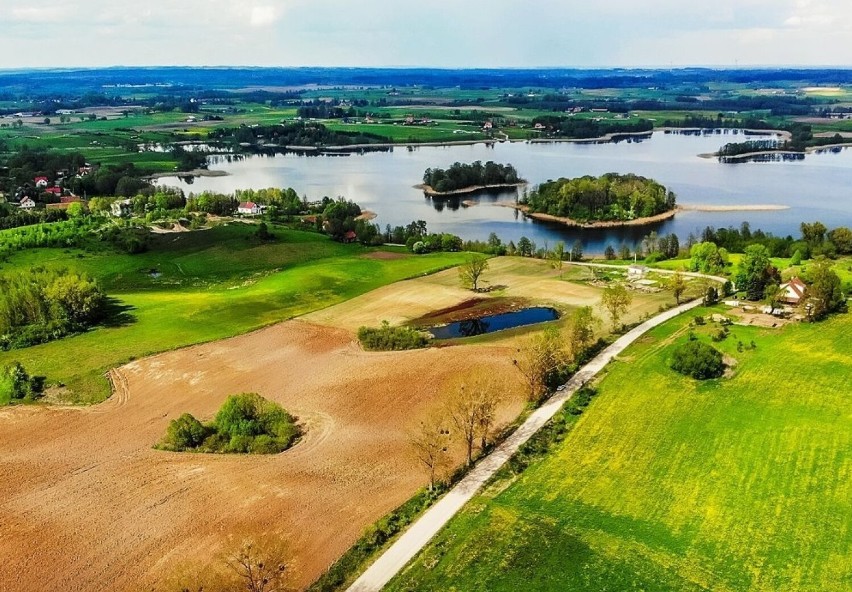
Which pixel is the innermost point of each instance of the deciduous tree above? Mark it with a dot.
(616, 299)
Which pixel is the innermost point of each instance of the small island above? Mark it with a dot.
(608, 200)
(469, 178)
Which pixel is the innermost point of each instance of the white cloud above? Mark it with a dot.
(263, 16)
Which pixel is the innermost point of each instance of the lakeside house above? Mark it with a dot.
(27, 203)
(249, 208)
(792, 292)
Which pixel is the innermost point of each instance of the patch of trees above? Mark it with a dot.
(69, 233)
(323, 110)
(15, 218)
(609, 197)
(698, 360)
(582, 128)
(17, 386)
(293, 134)
(824, 293)
(464, 176)
(245, 424)
(208, 202)
(390, 338)
(39, 305)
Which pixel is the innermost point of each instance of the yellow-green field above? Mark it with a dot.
(742, 483)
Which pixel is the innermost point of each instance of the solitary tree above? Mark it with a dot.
(431, 446)
(824, 292)
(557, 255)
(259, 569)
(538, 358)
(525, 247)
(473, 410)
(472, 270)
(609, 253)
(678, 286)
(577, 251)
(582, 330)
(616, 300)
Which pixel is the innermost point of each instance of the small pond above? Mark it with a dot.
(493, 323)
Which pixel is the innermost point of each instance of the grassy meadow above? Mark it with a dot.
(202, 286)
(664, 483)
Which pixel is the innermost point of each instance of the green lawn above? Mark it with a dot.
(213, 284)
(668, 484)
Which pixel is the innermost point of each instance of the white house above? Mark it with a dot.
(636, 272)
(122, 208)
(250, 208)
(27, 204)
(41, 181)
(792, 292)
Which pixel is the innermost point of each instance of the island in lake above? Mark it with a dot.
(469, 178)
(609, 200)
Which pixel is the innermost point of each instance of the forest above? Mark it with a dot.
(610, 197)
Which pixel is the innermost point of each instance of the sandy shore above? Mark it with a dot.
(192, 173)
(602, 224)
(431, 192)
(733, 208)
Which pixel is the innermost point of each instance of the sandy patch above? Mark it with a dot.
(88, 505)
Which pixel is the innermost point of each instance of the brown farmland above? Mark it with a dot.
(88, 505)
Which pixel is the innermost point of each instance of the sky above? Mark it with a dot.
(438, 33)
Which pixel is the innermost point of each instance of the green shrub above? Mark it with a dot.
(698, 360)
(17, 385)
(387, 338)
(246, 423)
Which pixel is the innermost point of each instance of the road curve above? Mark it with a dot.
(427, 526)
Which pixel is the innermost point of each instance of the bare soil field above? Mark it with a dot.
(88, 505)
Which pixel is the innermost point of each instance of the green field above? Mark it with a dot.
(667, 484)
(212, 284)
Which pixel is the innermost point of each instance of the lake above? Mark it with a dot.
(494, 323)
(816, 187)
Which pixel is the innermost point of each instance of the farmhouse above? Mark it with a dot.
(27, 204)
(793, 292)
(250, 208)
(41, 181)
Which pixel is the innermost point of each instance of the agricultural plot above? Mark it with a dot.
(665, 483)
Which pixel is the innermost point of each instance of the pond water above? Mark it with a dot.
(496, 322)
(816, 187)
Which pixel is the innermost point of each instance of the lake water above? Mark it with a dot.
(816, 187)
(496, 322)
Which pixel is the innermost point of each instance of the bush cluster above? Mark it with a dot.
(698, 360)
(17, 385)
(40, 304)
(387, 338)
(245, 424)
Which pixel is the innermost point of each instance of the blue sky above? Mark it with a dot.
(442, 33)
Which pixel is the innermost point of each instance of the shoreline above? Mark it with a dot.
(431, 192)
(648, 220)
(592, 225)
(192, 173)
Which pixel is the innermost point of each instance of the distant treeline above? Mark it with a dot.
(609, 197)
(582, 128)
(462, 176)
(293, 134)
